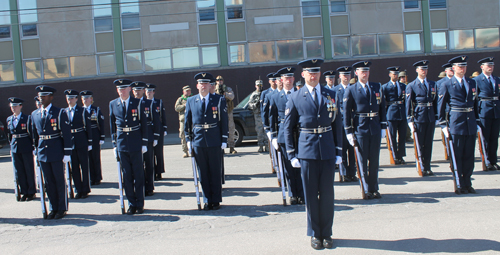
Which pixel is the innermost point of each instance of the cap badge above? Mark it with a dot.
(366, 63)
(289, 68)
(203, 74)
(314, 61)
(425, 62)
(463, 57)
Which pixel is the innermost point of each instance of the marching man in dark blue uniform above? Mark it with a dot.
(154, 125)
(206, 128)
(159, 109)
(81, 132)
(330, 79)
(97, 125)
(461, 95)
(319, 148)
(364, 116)
(421, 105)
(488, 91)
(52, 139)
(129, 134)
(265, 97)
(21, 149)
(276, 120)
(348, 159)
(394, 96)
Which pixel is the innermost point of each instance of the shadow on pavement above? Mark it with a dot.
(422, 245)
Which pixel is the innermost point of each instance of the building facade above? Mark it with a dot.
(85, 44)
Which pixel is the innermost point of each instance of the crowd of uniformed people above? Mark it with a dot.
(309, 131)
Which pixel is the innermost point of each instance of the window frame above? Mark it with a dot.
(14, 69)
(302, 9)
(198, 18)
(419, 8)
(346, 5)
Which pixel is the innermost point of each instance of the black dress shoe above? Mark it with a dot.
(458, 192)
(60, 215)
(149, 193)
(92, 183)
(158, 176)
(316, 243)
(497, 167)
(464, 191)
(301, 201)
(140, 210)
(354, 178)
(397, 162)
(328, 242)
(51, 215)
(430, 173)
(293, 200)
(369, 195)
(78, 196)
(471, 190)
(97, 182)
(215, 206)
(24, 197)
(131, 210)
(489, 167)
(84, 195)
(207, 207)
(376, 194)
(30, 197)
(347, 178)
(402, 161)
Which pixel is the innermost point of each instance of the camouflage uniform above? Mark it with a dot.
(229, 95)
(180, 107)
(254, 105)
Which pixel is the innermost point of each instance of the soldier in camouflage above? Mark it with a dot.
(254, 105)
(227, 92)
(180, 107)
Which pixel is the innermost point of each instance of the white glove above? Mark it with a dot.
(269, 136)
(155, 142)
(101, 142)
(338, 160)
(66, 159)
(295, 162)
(165, 133)
(350, 138)
(382, 134)
(446, 132)
(223, 146)
(190, 149)
(412, 127)
(115, 151)
(478, 128)
(34, 152)
(144, 149)
(437, 122)
(89, 148)
(274, 142)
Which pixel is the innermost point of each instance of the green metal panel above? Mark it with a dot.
(117, 32)
(16, 42)
(327, 37)
(426, 22)
(221, 24)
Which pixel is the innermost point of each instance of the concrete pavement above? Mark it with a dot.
(415, 215)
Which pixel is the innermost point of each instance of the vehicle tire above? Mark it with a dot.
(238, 135)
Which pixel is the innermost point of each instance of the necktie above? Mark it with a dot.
(287, 94)
(72, 113)
(15, 122)
(124, 107)
(366, 90)
(464, 89)
(203, 105)
(491, 83)
(315, 96)
(44, 116)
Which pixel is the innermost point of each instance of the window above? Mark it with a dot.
(413, 42)
(106, 63)
(439, 41)
(409, 4)
(311, 8)
(4, 32)
(261, 52)
(234, 9)
(364, 45)
(33, 70)
(7, 71)
(130, 14)
(237, 53)
(4, 13)
(390, 43)
(206, 10)
(186, 57)
(437, 4)
(290, 50)
(103, 20)
(314, 48)
(210, 56)
(340, 46)
(82, 66)
(487, 37)
(55, 68)
(338, 6)
(461, 39)
(28, 14)
(133, 61)
(156, 60)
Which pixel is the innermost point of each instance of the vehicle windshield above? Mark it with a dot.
(244, 102)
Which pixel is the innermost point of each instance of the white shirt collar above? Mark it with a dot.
(206, 97)
(423, 81)
(47, 108)
(362, 84)
(126, 100)
(345, 86)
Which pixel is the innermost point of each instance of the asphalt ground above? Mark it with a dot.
(415, 215)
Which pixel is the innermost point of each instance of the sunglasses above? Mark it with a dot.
(219, 79)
